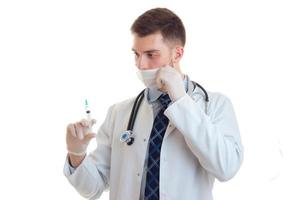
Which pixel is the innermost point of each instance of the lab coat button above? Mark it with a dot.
(138, 174)
(145, 139)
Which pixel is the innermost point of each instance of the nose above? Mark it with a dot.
(142, 63)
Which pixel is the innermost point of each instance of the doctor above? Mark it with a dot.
(181, 142)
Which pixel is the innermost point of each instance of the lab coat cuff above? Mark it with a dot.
(185, 107)
(85, 178)
(69, 170)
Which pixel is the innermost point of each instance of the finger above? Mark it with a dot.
(84, 123)
(88, 123)
(169, 68)
(71, 130)
(79, 130)
(158, 79)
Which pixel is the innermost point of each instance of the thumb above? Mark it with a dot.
(89, 136)
(93, 121)
(158, 81)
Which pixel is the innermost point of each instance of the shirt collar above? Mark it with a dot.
(154, 94)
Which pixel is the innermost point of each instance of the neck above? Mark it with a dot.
(177, 67)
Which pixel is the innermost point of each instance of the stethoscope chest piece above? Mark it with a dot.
(127, 136)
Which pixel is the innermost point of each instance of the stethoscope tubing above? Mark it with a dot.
(139, 99)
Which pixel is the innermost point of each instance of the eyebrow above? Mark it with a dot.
(148, 51)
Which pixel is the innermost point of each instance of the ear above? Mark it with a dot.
(177, 54)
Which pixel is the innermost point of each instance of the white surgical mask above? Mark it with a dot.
(148, 77)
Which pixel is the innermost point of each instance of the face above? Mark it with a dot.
(152, 52)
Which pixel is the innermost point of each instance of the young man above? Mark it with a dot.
(182, 142)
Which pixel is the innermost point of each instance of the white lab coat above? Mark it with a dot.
(197, 148)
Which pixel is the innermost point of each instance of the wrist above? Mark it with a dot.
(177, 94)
(75, 160)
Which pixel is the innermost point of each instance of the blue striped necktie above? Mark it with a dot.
(157, 134)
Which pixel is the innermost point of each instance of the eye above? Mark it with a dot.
(151, 55)
(136, 54)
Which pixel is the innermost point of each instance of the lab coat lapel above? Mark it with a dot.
(142, 127)
(144, 119)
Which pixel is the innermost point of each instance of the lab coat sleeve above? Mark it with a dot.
(214, 138)
(91, 177)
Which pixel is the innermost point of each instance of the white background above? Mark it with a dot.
(54, 54)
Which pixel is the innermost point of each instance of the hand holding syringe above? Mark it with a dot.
(80, 133)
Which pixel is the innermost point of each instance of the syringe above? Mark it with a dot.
(88, 114)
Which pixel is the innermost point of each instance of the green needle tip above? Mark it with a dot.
(86, 104)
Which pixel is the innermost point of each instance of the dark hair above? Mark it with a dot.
(162, 20)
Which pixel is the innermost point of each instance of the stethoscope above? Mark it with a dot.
(127, 136)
